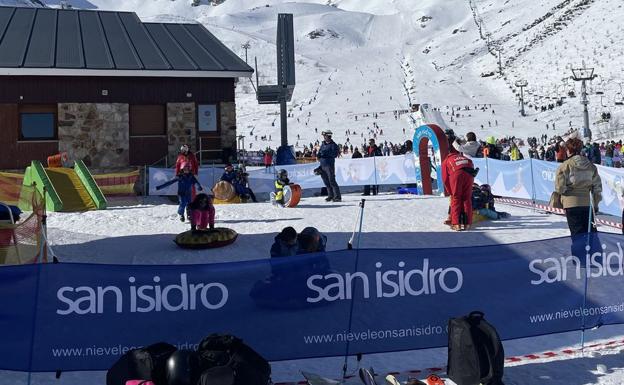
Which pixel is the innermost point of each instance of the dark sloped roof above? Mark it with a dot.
(64, 42)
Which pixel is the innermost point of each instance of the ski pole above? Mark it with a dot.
(357, 261)
(358, 220)
(587, 248)
(361, 221)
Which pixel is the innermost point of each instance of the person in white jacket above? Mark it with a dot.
(470, 147)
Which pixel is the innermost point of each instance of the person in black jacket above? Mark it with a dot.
(373, 150)
(327, 155)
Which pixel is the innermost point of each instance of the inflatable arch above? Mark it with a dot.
(422, 136)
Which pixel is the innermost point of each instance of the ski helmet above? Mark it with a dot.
(327, 133)
(282, 173)
(184, 148)
(450, 134)
(183, 368)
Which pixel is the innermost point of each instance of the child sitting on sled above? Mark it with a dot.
(202, 212)
(483, 202)
(185, 181)
(281, 181)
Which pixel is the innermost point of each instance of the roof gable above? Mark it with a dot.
(101, 43)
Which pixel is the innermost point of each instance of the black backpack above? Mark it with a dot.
(148, 363)
(226, 360)
(475, 351)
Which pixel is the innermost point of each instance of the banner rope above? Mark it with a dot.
(525, 204)
(509, 361)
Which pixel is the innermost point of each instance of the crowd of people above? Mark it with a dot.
(607, 153)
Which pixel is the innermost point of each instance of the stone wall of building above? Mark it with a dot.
(228, 125)
(181, 128)
(97, 133)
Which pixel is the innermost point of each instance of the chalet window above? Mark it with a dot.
(38, 122)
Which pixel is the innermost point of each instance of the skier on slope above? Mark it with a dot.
(458, 174)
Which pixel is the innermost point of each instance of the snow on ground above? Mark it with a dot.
(143, 234)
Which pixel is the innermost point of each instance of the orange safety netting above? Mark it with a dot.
(23, 242)
(117, 184)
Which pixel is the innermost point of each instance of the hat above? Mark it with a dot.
(490, 140)
(228, 165)
(327, 132)
(184, 148)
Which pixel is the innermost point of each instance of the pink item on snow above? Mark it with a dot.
(203, 218)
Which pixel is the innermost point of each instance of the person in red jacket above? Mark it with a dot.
(268, 158)
(186, 156)
(458, 175)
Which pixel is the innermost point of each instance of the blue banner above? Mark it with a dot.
(83, 317)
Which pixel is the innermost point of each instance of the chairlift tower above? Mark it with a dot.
(521, 84)
(246, 46)
(583, 75)
(282, 92)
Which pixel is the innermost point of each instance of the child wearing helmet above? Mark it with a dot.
(281, 181)
(186, 156)
(186, 181)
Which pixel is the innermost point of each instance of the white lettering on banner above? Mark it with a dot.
(600, 264)
(388, 284)
(143, 299)
(548, 175)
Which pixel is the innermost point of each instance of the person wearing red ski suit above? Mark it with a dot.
(458, 183)
(187, 157)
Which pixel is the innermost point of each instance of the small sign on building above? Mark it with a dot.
(207, 117)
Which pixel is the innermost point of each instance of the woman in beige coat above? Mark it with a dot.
(575, 180)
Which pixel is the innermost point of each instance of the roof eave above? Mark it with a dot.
(122, 73)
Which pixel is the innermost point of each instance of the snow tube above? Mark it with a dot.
(235, 199)
(206, 239)
(292, 195)
(408, 190)
(223, 191)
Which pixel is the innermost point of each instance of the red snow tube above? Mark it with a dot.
(57, 160)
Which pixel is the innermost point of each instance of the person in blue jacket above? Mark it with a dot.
(327, 155)
(238, 180)
(185, 181)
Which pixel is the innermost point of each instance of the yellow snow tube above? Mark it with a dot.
(206, 239)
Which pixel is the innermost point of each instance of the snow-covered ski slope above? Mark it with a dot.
(358, 57)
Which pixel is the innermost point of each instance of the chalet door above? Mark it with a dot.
(148, 134)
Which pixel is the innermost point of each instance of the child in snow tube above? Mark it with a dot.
(483, 203)
(281, 181)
